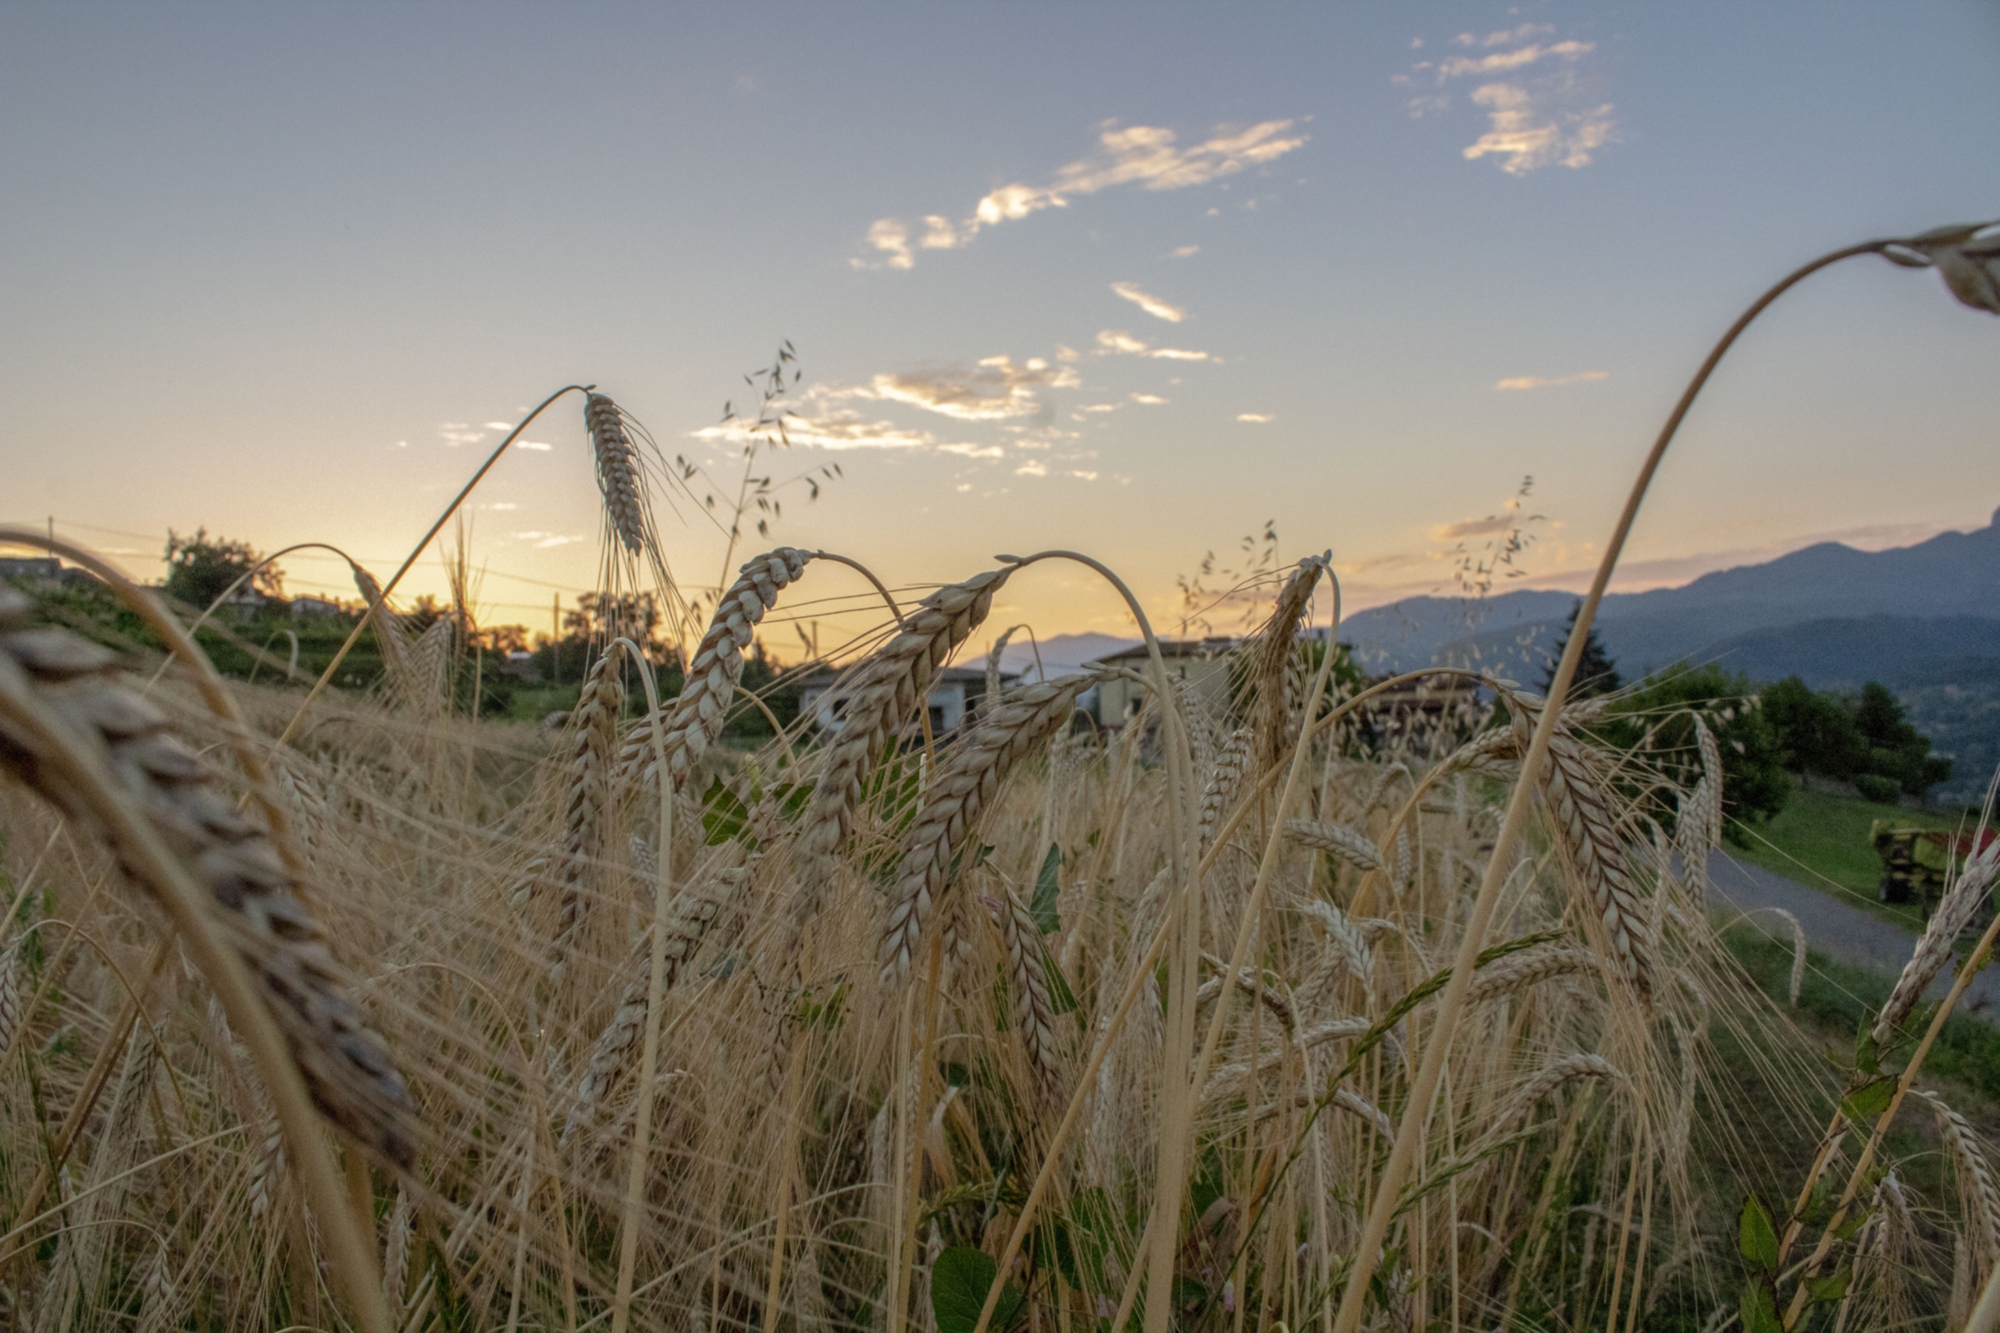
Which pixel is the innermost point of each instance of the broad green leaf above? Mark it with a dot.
(1829, 1288)
(1048, 885)
(1759, 1311)
(723, 814)
(1868, 1101)
(1061, 997)
(1756, 1241)
(960, 1280)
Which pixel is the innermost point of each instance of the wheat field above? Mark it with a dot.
(336, 1010)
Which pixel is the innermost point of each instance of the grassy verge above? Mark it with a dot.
(1822, 840)
(1836, 997)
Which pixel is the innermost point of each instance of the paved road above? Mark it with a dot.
(1840, 931)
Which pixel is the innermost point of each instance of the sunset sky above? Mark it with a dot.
(1131, 279)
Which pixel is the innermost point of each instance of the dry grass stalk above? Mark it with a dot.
(1350, 845)
(618, 472)
(1798, 979)
(595, 721)
(349, 1074)
(697, 716)
(952, 806)
(396, 1252)
(1940, 937)
(1591, 836)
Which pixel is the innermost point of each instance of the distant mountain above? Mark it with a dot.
(1955, 574)
(1060, 654)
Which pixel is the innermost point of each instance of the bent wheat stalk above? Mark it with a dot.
(98, 752)
(1030, 715)
(1423, 1090)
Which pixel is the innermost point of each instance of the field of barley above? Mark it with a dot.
(1280, 1007)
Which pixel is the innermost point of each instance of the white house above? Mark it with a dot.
(954, 697)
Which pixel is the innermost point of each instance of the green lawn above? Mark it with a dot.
(1822, 840)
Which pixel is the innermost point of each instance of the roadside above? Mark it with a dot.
(1841, 930)
(1822, 841)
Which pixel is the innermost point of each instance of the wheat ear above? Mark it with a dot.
(1032, 1010)
(1547, 1080)
(10, 994)
(347, 1071)
(588, 793)
(1975, 1177)
(884, 691)
(617, 471)
(693, 914)
(696, 717)
(388, 627)
(1276, 656)
(1940, 936)
(1527, 969)
(1583, 817)
(1350, 845)
(952, 806)
(1223, 780)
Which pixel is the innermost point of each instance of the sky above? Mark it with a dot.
(1134, 280)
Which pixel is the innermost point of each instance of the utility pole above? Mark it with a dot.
(555, 639)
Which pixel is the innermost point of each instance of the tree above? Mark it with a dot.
(200, 568)
(1657, 714)
(1896, 749)
(1595, 671)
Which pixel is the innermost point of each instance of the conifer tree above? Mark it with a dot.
(1595, 671)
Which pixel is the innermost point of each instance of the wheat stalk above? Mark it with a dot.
(347, 1071)
(952, 807)
(699, 712)
(396, 1252)
(1940, 936)
(618, 471)
(1350, 945)
(588, 793)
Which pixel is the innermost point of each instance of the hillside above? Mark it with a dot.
(1955, 574)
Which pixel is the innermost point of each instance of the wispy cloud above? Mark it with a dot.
(456, 433)
(1151, 304)
(1473, 527)
(544, 541)
(1149, 156)
(1545, 112)
(1186, 251)
(1255, 418)
(1520, 382)
(993, 390)
(535, 445)
(500, 425)
(1117, 342)
(823, 425)
(1148, 399)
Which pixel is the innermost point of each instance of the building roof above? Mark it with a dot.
(1213, 646)
(961, 675)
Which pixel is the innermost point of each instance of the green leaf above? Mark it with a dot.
(1756, 1241)
(1829, 1288)
(1759, 1311)
(1061, 998)
(960, 1280)
(1870, 1100)
(1048, 885)
(723, 814)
